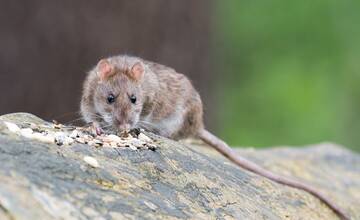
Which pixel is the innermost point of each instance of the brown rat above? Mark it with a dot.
(124, 92)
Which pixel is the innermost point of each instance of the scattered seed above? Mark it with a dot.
(57, 126)
(26, 132)
(151, 147)
(132, 147)
(143, 137)
(34, 126)
(67, 135)
(113, 138)
(136, 142)
(68, 141)
(75, 134)
(151, 205)
(80, 140)
(12, 127)
(91, 161)
(106, 144)
(43, 138)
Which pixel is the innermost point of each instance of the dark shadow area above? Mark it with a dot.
(48, 46)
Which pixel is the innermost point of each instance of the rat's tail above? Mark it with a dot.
(225, 150)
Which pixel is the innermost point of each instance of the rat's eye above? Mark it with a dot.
(110, 99)
(133, 99)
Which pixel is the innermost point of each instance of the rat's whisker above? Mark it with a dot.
(67, 114)
(147, 123)
(74, 120)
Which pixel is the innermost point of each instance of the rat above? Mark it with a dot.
(125, 92)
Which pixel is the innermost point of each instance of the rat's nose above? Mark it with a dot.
(124, 127)
(121, 123)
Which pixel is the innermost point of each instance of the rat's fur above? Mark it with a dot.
(167, 104)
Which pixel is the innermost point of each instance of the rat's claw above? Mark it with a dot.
(97, 130)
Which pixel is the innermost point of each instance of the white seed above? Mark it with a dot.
(26, 132)
(95, 143)
(12, 127)
(60, 138)
(88, 137)
(106, 144)
(74, 134)
(151, 147)
(114, 138)
(132, 147)
(81, 140)
(91, 161)
(151, 205)
(143, 137)
(57, 126)
(34, 126)
(98, 142)
(60, 135)
(68, 141)
(136, 142)
(43, 138)
(122, 144)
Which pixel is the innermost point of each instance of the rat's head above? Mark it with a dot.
(119, 98)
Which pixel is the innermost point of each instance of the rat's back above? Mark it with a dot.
(177, 109)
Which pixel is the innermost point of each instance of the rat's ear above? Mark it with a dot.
(137, 71)
(104, 69)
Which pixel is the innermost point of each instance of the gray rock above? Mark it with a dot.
(46, 181)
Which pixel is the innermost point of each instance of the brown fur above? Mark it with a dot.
(167, 104)
(162, 91)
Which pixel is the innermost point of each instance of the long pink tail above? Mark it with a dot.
(225, 150)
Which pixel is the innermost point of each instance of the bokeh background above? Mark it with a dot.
(270, 72)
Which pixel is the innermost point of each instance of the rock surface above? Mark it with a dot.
(46, 181)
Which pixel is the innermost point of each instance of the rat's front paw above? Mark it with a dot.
(96, 129)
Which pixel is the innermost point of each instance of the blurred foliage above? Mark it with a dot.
(289, 72)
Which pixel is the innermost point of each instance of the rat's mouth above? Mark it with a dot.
(123, 127)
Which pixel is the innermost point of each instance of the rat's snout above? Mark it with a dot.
(124, 127)
(121, 124)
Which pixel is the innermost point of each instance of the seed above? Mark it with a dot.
(75, 134)
(91, 161)
(43, 138)
(12, 127)
(151, 147)
(114, 138)
(136, 142)
(57, 126)
(68, 141)
(34, 126)
(97, 143)
(80, 140)
(132, 147)
(106, 144)
(27, 132)
(143, 137)
(151, 205)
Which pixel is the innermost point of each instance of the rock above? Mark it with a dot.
(41, 180)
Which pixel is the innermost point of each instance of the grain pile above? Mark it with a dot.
(67, 135)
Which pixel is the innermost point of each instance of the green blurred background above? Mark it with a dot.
(288, 72)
